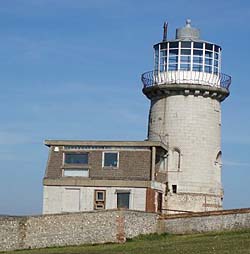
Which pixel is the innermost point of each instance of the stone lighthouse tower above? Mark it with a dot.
(186, 89)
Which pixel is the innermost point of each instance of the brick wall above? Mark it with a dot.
(133, 165)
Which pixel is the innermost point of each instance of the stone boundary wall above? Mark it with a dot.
(30, 232)
(201, 222)
(109, 226)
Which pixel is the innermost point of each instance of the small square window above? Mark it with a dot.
(174, 188)
(99, 202)
(110, 159)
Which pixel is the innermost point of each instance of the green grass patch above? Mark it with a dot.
(222, 243)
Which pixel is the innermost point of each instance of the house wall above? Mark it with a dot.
(56, 199)
(133, 165)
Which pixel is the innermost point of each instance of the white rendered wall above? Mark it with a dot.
(55, 198)
(190, 124)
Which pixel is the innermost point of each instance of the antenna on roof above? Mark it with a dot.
(165, 31)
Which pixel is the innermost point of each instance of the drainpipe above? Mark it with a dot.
(153, 163)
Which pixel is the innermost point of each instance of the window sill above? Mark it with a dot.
(75, 166)
(109, 168)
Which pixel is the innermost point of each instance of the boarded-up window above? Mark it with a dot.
(71, 200)
(82, 172)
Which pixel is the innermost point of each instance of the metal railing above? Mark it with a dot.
(152, 78)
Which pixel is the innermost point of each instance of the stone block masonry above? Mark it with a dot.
(109, 226)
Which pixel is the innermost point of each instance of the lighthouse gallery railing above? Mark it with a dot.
(152, 78)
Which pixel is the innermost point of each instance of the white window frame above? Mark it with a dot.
(99, 204)
(103, 158)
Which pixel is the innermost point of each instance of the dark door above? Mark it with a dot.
(159, 203)
(123, 200)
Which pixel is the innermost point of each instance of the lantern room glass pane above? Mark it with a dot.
(185, 67)
(208, 61)
(197, 59)
(216, 48)
(186, 52)
(209, 46)
(208, 54)
(174, 44)
(173, 52)
(173, 67)
(198, 45)
(186, 44)
(173, 59)
(208, 69)
(164, 53)
(198, 52)
(186, 59)
(197, 67)
(164, 45)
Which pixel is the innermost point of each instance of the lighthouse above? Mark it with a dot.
(185, 89)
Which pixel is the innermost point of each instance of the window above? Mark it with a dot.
(123, 200)
(209, 46)
(76, 158)
(110, 159)
(159, 202)
(198, 45)
(186, 52)
(218, 160)
(173, 52)
(100, 199)
(174, 44)
(174, 188)
(176, 160)
(197, 59)
(198, 52)
(83, 172)
(185, 67)
(186, 44)
(197, 67)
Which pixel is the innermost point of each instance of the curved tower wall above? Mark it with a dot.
(191, 126)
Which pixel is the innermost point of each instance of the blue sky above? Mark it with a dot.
(71, 70)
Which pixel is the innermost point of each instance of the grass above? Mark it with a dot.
(225, 242)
